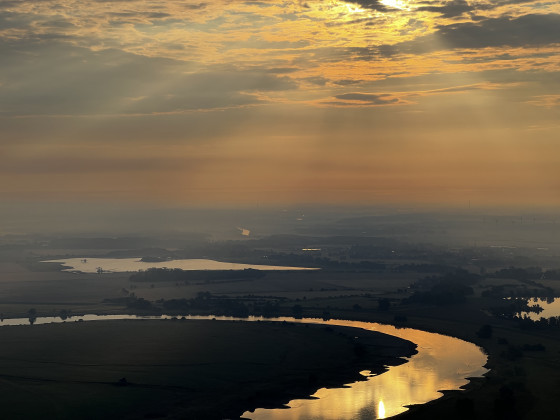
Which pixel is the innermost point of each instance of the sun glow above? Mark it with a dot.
(395, 4)
(354, 9)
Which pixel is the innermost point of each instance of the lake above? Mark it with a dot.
(119, 265)
(442, 363)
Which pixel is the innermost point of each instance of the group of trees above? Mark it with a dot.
(527, 323)
(450, 288)
(204, 302)
(513, 307)
(309, 260)
(32, 315)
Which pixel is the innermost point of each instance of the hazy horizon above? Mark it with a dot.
(169, 228)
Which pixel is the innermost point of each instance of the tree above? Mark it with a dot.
(32, 314)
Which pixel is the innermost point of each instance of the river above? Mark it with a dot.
(442, 363)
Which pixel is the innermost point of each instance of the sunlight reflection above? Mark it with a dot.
(441, 363)
(381, 410)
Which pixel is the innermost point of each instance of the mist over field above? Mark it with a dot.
(518, 227)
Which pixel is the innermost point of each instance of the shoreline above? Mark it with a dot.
(375, 363)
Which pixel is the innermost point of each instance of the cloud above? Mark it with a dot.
(359, 99)
(57, 78)
(405, 97)
(525, 31)
(76, 163)
(451, 9)
(546, 101)
(456, 8)
(461, 89)
(370, 4)
(164, 60)
(149, 15)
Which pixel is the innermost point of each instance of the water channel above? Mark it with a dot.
(442, 363)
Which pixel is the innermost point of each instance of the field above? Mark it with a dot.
(177, 368)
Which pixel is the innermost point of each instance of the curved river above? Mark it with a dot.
(442, 363)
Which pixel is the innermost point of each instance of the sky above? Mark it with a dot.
(217, 103)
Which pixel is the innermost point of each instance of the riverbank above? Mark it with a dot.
(179, 368)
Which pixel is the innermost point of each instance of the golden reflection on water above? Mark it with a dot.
(381, 410)
(442, 363)
(119, 265)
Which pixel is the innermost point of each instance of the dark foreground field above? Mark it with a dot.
(177, 368)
